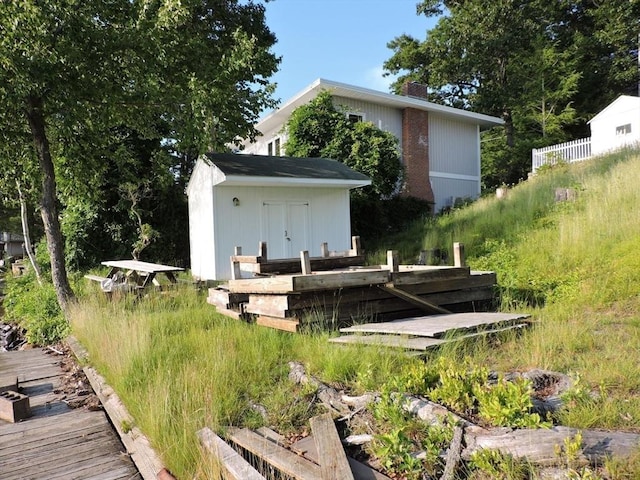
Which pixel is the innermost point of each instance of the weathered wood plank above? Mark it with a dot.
(453, 455)
(415, 343)
(396, 341)
(437, 325)
(539, 446)
(236, 467)
(411, 274)
(307, 447)
(275, 455)
(315, 281)
(333, 463)
(289, 325)
(413, 300)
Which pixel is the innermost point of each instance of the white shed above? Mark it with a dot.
(293, 204)
(616, 126)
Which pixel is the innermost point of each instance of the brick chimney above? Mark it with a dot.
(415, 145)
(415, 90)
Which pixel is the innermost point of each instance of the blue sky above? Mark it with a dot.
(340, 40)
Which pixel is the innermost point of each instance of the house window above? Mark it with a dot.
(273, 148)
(355, 117)
(623, 129)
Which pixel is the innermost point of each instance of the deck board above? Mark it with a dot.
(57, 442)
(437, 325)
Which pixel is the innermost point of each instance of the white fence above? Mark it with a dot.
(573, 151)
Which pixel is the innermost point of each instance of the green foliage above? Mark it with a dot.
(491, 464)
(547, 69)
(320, 129)
(508, 404)
(456, 383)
(36, 309)
(395, 451)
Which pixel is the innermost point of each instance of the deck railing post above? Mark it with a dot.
(392, 260)
(324, 249)
(262, 252)
(305, 263)
(458, 254)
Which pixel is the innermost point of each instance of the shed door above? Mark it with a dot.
(285, 228)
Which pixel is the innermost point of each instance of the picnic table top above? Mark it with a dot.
(141, 266)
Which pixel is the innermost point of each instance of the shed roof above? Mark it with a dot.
(339, 89)
(263, 170)
(622, 103)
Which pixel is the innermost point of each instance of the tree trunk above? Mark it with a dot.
(49, 212)
(508, 128)
(26, 235)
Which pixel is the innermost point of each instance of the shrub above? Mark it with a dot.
(35, 307)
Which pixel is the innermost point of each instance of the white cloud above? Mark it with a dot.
(374, 79)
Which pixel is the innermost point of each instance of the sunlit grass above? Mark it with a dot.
(180, 366)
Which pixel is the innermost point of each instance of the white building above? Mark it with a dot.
(293, 204)
(440, 145)
(616, 126)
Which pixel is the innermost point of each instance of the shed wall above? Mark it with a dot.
(244, 225)
(201, 231)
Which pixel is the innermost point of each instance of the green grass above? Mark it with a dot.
(575, 266)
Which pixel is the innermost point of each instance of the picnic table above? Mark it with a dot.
(134, 274)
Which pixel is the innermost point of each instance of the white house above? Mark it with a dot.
(440, 145)
(616, 126)
(293, 204)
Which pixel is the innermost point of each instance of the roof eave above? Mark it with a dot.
(245, 181)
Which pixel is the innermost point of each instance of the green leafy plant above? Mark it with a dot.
(455, 386)
(395, 451)
(507, 404)
(492, 464)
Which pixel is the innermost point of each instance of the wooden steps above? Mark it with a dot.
(421, 333)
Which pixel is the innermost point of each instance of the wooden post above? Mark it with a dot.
(262, 252)
(422, 258)
(237, 251)
(392, 260)
(458, 254)
(235, 270)
(305, 263)
(324, 249)
(355, 246)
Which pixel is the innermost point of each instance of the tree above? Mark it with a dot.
(320, 129)
(73, 71)
(543, 67)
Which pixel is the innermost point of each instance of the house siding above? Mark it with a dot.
(453, 146)
(447, 190)
(623, 111)
(385, 118)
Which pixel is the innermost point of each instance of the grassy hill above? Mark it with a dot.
(575, 266)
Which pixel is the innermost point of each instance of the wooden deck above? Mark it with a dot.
(56, 442)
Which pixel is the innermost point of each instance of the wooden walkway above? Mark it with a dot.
(56, 442)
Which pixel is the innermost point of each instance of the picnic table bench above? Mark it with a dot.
(134, 273)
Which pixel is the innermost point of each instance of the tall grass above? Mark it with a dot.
(179, 366)
(574, 266)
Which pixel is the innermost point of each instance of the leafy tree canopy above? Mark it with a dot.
(75, 74)
(320, 129)
(543, 67)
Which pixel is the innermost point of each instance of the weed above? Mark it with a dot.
(494, 465)
(508, 404)
(456, 383)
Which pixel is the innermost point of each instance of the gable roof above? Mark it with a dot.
(263, 170)
(632, 103)
(281, 115)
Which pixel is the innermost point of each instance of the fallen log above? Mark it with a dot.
(431, 412)
(329, 397)
(540, 446)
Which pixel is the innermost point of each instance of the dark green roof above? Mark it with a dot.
(238, 164)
